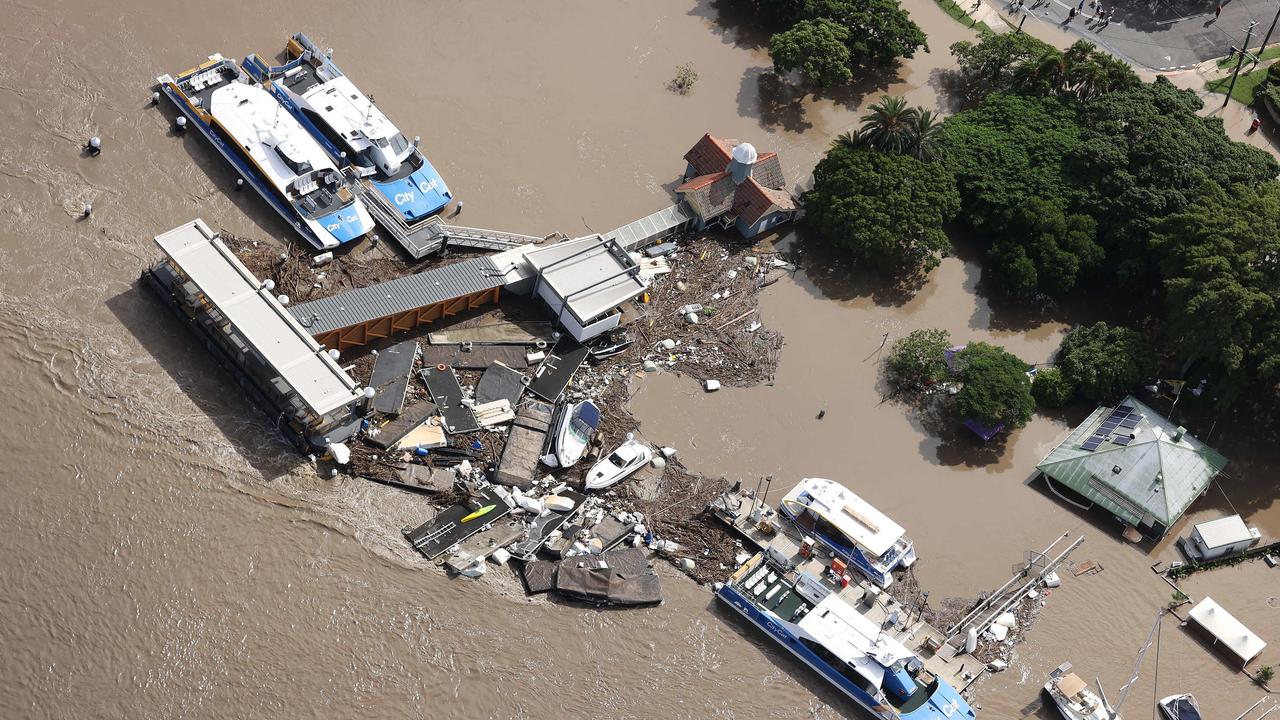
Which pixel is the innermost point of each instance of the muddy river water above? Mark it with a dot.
(164, 556)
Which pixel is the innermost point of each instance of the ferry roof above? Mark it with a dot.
(854, 516)
(258, 317)
(345, 108)
(1229, 631)
(852, 637)
(252, 116)
(1224, 531)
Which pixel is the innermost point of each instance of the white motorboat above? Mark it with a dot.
(1074, 698)
(620, 464)
(572, 432)
(1181, 707)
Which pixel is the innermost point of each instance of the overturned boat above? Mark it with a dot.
(1180, 707)
(855, 531)
(571, 432)
(270, 150)
(353, 130)
(847, 649)
(619, 465)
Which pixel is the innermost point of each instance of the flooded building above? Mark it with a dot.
(1135, 464)
(728, 183)
(291, 376)
(583, 282)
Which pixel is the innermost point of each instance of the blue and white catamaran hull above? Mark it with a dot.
(352, 130)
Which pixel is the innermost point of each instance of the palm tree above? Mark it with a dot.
(925, 128)
(1042, 75)
(851, 140)
(888, 127)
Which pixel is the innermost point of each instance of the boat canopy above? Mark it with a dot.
(852, 638)
(850, 514)
(588, 413)
(1225, 629)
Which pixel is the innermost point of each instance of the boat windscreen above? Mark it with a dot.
(916, 699)
(580, 430)
(617, 460)
(1182, 709)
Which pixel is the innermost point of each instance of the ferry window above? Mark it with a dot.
(381, 142)
(298, 167)
(840, 666)
(399, 144)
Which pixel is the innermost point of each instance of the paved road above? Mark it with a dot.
(1161, 34)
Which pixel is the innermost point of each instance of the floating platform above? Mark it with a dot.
(523, 451)
(555, 372)
(452, 526)
(390, 377)
(447, 394)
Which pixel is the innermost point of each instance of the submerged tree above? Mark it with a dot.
(816, 48)
(919, 358)
(996, 389)
(1101, 361)
(886, 210)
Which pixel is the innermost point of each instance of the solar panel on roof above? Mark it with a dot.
(1108, 426)
(1126, 408)
(1091, 444)
(1122, 439)
(1130, 422)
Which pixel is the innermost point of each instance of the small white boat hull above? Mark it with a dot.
(618, 465)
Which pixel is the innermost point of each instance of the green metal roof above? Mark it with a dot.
(1152, 475)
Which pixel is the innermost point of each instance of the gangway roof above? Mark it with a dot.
(1225, 629)
(256, 315)
(590, 275)
(399, 295)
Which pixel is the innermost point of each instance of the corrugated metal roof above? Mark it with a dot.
(399, 295)
(632, 235)
(1156, 475)
(257, 317)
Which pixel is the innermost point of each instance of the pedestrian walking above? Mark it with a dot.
(1071, 15)
(1080, 7)
(1217, 11)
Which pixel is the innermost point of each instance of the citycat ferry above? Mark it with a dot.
(270, 150)
(849, 650)
(855, 531)
(353, 129)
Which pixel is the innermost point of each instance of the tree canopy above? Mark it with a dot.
(884, 209)
(919, 358)
(996, 389)
(1016, 61)
(880, 31)
(1101, 361)
(1050, 388)
(816, 48)
(1221, 267)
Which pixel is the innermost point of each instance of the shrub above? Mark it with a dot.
(919, 358)
(1265, 673)
(683, 82)
(1050, 388)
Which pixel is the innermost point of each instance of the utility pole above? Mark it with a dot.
(1266, 39)
(1243, 51)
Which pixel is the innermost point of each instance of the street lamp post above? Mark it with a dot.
(1243, 51)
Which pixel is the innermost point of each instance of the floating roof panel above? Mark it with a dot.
(257, 316)
(591, 275)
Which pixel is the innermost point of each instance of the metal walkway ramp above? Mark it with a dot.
(429, 235)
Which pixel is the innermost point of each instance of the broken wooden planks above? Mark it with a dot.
(523, 332)
(410, 418)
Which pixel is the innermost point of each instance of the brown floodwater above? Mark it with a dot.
(165, 556)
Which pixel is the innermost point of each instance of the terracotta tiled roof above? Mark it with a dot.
(700, 182)
(708, 155)
(752, 201)
(768, 170)
(713, 198)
